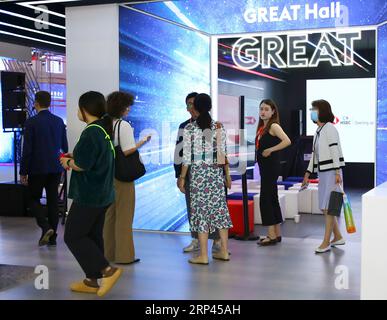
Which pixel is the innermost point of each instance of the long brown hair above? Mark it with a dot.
(274, 119)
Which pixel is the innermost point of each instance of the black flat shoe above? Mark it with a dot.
(45, 238)
(51, 243)
(127, 263)
(271, 242)
(279, 239)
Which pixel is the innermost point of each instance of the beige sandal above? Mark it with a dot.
(219, 256)
(198, 260)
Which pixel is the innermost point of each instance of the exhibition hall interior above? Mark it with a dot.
(102, 195)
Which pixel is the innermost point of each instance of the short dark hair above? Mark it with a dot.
(191, 95)
(94, 103)
(117, 102)
(43, 98)
(325, 113)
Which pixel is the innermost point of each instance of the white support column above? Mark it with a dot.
(92, 57)
(214, 76)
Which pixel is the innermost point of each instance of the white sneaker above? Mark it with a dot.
(193, 246)
(318, 250)
(338, 242)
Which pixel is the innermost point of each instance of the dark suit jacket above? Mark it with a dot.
(179, 148)
(44, 140)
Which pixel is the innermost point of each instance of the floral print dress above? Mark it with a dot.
(209, 210)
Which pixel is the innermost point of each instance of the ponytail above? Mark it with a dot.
(204, 120)
(202, 104)
(107, 123)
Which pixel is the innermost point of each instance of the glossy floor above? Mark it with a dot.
(289, 270)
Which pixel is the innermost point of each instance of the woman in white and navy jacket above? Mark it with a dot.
(327, 161)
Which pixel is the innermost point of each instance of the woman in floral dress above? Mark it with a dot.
(204, 150)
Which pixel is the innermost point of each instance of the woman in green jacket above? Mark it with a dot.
(92, 191)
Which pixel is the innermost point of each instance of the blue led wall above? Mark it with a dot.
(225, 17)
(160, 63)
(381, 138)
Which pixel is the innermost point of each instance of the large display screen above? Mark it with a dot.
(249, 16)
(238, 16)
(381, 138)
(353, 103)
(160, 63)
(6, 151)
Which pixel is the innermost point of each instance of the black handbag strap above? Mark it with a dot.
(118, 133)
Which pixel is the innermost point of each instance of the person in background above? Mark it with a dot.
(194, 245)
(118, 232)
(204, 152)
(44, 140)
(92, 191)
(270, 139)
(327, 161)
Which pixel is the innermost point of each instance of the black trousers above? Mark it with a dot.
(268, 201)
(84, 237)
(50, 182)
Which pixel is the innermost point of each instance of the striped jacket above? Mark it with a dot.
(330, 155)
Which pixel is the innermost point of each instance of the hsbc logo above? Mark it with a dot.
(344, 121)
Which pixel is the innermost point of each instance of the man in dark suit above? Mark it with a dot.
(194, 245)
(44, 140)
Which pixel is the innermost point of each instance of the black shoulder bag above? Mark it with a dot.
(127, 168)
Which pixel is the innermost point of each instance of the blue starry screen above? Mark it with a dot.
(227, 16)
(381, 138)
(160, 63)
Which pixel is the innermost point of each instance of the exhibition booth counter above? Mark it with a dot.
(373, 247)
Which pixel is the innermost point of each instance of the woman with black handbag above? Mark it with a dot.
(118, 234)
(327, 161)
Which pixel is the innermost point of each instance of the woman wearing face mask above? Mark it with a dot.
(92, 191)
(327, 161)
(269, 140)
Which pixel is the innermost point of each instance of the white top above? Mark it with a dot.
(126, 135)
